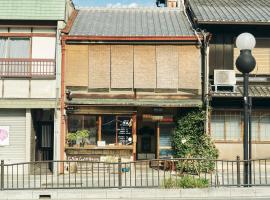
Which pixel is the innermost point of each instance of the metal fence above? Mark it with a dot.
(139, 174)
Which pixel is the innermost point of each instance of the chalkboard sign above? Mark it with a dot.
(124, 130)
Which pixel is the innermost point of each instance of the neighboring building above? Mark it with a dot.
(30, 68)
(128, 73)
(225, 20)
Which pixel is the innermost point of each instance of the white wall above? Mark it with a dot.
(42, 89)
(16, 88)
(43, 47)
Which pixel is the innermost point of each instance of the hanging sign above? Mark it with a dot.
(124, 128)
(4, 135)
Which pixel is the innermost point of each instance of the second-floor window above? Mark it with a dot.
(14, 47)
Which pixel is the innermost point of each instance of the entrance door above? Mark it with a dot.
(146, 144)
(45, 141)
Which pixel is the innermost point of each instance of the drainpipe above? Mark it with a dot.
(63, 124)
(205, 76)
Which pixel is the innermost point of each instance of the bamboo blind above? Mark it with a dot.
(189, 67)
(122, 66)
(261, 52)
(144, 67)
(167, 66)
(99, 66)
(76, 66)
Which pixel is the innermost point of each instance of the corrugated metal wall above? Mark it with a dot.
(16, 120)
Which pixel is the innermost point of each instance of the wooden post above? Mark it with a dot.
(116, 131)
(158, 139)
(134, 135)
(99, 127)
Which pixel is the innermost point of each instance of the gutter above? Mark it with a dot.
(129, 38)
(233, 23)
(62, 106)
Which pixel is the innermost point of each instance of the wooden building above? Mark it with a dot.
(224, 21)
(127, 74)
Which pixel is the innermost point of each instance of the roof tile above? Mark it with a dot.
(231, 11)
(131, 22)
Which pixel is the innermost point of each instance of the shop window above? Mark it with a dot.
(84, 122)
(116, 129)
(108, 130)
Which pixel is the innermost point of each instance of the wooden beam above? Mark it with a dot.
(99, 127)
(27, 35)
(134, 135)
(70, 22)
(158, 139)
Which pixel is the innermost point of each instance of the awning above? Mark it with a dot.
(137, 102)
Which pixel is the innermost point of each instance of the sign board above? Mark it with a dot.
(124, 130)
(160, 118)
(4, 135)
(101, 143)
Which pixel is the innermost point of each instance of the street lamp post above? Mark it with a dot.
(245, 63)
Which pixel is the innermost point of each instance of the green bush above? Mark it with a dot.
(186, 182)
(190, 141)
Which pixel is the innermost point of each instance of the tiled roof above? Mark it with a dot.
(254, 91)
(32, 9)
(131, 22)
(231, 11)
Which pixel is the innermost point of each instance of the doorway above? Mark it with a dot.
(146, 145)
(43, 138)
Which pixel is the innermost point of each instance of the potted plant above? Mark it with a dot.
(71, 139)
(83, 135)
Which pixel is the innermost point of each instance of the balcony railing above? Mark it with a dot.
(25, 67)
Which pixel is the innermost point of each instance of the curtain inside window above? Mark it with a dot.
(217, 127)
(233, 128)
(264, 128)
(3, 46)
(19, 48)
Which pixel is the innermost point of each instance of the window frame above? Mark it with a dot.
(7, 48)
(256, 139)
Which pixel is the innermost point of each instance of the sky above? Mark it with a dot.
(114, 3)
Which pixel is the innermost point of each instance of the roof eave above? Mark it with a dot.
(129, 38)
(232, 23)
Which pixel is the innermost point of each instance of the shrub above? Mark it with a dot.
(190, 141)
(186, 182)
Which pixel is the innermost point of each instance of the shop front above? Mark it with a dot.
(127, 132)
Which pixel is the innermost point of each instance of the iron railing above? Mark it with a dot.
(24, 67)
(137, 174)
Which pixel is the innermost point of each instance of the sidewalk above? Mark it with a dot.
(138, 194)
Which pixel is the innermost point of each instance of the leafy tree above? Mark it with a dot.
(190, 141)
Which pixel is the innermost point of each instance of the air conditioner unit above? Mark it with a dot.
(224, 78)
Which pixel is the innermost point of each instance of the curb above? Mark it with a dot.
(138, 194)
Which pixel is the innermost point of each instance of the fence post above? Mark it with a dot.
(2, 174)
(238, 170)
(119, 173)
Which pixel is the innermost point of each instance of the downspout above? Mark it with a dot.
(205, 77)
(204, 45)
(63, 122)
